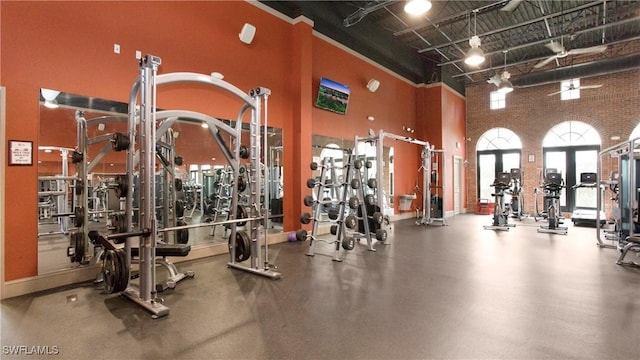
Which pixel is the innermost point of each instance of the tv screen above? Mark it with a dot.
(333, 96)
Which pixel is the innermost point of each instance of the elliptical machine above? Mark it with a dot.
(517, 200)
(500, 210)
(553, 184)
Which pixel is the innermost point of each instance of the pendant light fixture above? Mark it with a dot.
(475, 55)
(417, 7)
(505, 85)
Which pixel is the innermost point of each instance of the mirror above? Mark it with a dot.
(203, 172)
(339, 149)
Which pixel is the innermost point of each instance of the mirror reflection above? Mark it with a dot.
(339, 149)
(201, 177)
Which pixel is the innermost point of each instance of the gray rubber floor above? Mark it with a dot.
(453, 292)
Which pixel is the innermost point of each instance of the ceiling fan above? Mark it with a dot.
(561, 52)
(573, 87)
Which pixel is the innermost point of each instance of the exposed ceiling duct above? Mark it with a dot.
(584, 70)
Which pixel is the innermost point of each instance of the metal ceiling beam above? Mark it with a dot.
(525, 23)
(479, 71)
(436, 23)
(584, 70)
(596, 28)
(362, 12)
(425, 41)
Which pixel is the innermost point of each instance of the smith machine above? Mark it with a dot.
(626, 189)
(150, 125)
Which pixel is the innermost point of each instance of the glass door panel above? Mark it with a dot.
(558, 160)
(487, 174)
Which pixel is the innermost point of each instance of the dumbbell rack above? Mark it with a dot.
(222, 194)
(361, 204)
(327, 163)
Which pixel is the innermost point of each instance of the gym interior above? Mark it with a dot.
(320, 180)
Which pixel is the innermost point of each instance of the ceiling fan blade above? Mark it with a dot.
(589, 50)
(591, 86)
(555, 46)
(512, 5)
(556, 93)
(545, 61)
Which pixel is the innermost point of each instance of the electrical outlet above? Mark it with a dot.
(116, 48)
(138, 54)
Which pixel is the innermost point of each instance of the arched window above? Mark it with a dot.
(571, 148)
(635, 133)
(498, 150)
(571, 133)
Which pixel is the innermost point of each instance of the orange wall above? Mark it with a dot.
(197, 37)
(392, 105)
(69, 46)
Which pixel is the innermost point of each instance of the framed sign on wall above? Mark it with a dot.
(20, 152)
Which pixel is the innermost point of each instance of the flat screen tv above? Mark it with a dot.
(333, 96)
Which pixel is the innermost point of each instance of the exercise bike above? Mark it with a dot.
(553, 184)
(500, 210)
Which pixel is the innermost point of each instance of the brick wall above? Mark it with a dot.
(613, 110)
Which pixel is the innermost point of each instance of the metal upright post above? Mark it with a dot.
(145, 296)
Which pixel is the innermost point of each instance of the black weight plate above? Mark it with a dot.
(333, 214)
(123, 271)
(355, 183)
(78, 214)
(80, 248)
(244, 152)
(313, 166)
(354, 202)
(368, 164)
(305, 218)
(301, 235)
(308, 200)
(370, 200)
(109, 271)
(182, 235)
(178, 160)
(247, 245)
(372, 183)
(311, 183)
(381, 234)
(242, 184)
(179, 208)
(334, 229)
(377, 217)
(178, 184)
(357, 164)
(348, 243)
(122, 188)
(351, 221)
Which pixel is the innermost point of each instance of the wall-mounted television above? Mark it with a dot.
(333, 96)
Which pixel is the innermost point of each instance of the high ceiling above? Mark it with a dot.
(432, 47)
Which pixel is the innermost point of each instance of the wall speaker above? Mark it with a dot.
(247, 33)
(373, 85)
